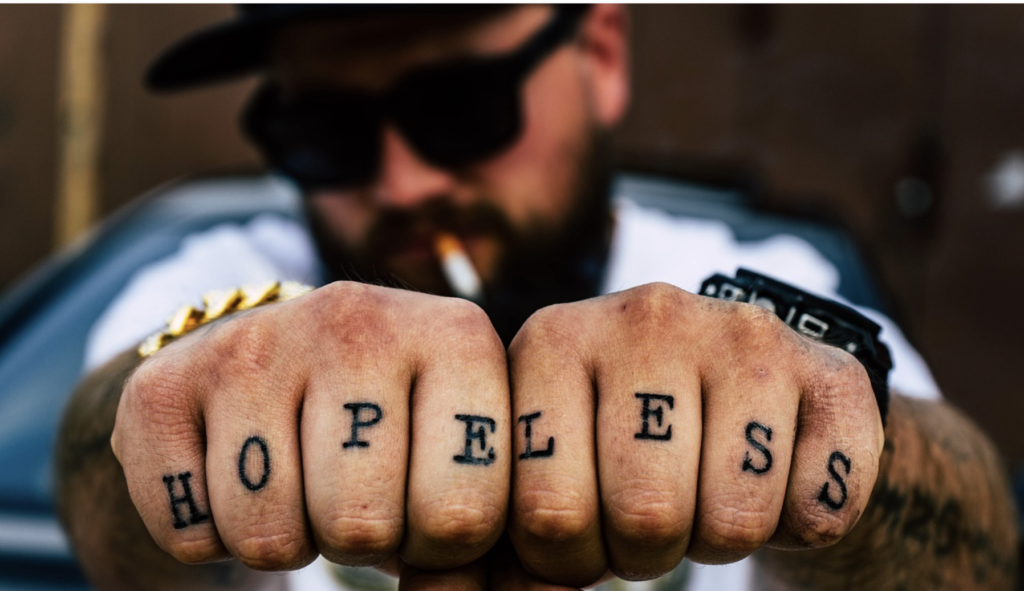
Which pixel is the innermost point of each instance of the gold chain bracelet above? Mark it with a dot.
(218, 304)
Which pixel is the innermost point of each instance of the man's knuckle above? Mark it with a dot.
(758, 326)
(359, 537)
(654, 304)
(658, 293)
(464, 524)
(816, 528)
(160, 392)
(282, 550)
(552, 516)
(341, 299)
(467, 313)
(466, 324)
(853, 377)
(648, 519)
(343, 295)
(840, 380)
(198, 551)
(550, 328)
(731, 529)
(247, 345)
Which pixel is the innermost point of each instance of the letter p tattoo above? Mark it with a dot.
(356, 408)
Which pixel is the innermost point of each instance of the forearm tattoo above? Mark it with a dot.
(194, 514)
(939, 523)
(356, 408)
(654, 406)
(836, 459)
(243, 470)
(529, 452)
(762, 448)
(479, 435)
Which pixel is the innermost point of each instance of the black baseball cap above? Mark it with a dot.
(241, 46)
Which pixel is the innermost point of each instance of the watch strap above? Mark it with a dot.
(818, 318)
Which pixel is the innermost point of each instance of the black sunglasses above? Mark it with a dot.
(453, 115)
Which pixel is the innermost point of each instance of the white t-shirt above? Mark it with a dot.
(648, 245)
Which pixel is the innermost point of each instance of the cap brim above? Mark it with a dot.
(216, 54)
(240, 47)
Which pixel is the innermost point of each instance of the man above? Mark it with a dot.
(603, 436)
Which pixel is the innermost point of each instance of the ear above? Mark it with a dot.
(605, 49)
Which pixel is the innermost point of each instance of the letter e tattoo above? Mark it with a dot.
(657, 412)
(195, 515)
(529, 452)
(356, 408)
(762, 448)
(479, 435)
(243, 456)
(823, 496)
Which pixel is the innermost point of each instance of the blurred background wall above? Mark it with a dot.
(903, 124)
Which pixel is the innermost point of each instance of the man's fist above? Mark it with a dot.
(653, 423)
(356, 421)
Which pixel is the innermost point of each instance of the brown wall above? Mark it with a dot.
(821, 110)
(28, 90)
(153, 138)
(826, 110)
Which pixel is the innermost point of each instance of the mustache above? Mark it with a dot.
(397, 227)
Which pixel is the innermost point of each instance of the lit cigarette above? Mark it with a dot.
(457, 268)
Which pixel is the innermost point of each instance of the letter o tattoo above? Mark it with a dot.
(242, 475)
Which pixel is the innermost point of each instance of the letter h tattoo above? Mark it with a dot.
(195, 515)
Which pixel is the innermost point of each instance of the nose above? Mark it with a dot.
(406, 180)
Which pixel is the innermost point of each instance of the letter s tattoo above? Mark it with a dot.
(823, 496)
(761, 448)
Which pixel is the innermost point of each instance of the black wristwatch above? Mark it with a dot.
(823, 320)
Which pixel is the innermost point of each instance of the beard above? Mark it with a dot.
(541, 264)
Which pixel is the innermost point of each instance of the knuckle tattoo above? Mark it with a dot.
(370, 418)
(752, 432)
(654, 406)
(476, 431)
(529, 452)
(190, 514)
(260, 445)
(839, 467)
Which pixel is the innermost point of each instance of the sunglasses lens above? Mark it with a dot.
(320, 141)
(460, 115)
(452, 117)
